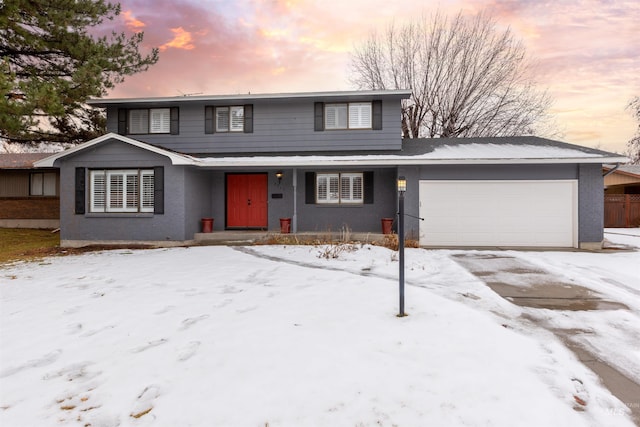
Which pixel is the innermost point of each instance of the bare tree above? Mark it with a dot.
(466, 77)
(633, 146)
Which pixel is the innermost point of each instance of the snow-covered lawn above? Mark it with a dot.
(220, 336)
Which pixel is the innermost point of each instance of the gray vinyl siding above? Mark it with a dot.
(357, 218)
(278, 126)
(591, 203)
(125, 226)
(589, 176)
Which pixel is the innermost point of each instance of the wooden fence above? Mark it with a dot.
(622, 210)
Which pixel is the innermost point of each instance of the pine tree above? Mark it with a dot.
(51, 63)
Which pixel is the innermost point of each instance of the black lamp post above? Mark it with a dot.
(402, 187)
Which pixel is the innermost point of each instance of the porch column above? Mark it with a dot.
(294, 219)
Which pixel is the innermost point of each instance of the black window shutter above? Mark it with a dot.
(208, 120)
(174, 127)
(158, 190)
(367, 177)
(248, 118)
(122, 121)
(310, 188)
(376, 123)
(80, 190)
(318, 116)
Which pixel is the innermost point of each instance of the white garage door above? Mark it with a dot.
(498, 213)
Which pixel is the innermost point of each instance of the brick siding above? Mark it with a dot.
(30, 208)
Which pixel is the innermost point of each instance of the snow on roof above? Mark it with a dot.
(510, 150)
(517, 150)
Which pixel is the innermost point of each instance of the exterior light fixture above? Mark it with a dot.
(402, 184)
(402, 188)
(279, 175)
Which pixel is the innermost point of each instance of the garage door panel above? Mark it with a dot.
(498, 213)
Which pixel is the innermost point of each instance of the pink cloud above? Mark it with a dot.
(586, 52)
(182, 40)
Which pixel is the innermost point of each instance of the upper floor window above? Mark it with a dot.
(352, 115)
(230, 119)
(42, 184)
(348, 115)
(153, 120)
(141, 121)
(225, 119)
(127, 190)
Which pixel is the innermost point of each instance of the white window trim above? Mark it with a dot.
(101, 192)
(352, 177)
(359, 115)
(231, 125)
(337, 197)
(158, 121)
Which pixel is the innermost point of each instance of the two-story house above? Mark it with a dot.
(327, 160)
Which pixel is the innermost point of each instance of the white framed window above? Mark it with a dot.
(335, 116)
(352, 115)
(154, 120)
(230, 119)
(351, 188)
(42, 184)
(360, 115)
(333, 188)
(126, 190)
(160, 120)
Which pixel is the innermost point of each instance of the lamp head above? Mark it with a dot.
(402, 184)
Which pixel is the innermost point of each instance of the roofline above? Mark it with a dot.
(392, 160)
(353, 93)
(622, 172)
(176, 159)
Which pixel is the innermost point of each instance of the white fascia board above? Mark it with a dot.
(176, 159)
(230, 162)
(358, 93)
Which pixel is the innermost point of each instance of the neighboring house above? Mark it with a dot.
(29, 196)
(625, 179)
(328, 161)
(621, 195)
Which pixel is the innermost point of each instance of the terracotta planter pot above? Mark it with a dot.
(207, 225)
(386, 225)
(285, 225)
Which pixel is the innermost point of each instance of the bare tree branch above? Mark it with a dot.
(466, 77)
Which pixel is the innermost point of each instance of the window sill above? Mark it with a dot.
(119, 215)
(339, 205)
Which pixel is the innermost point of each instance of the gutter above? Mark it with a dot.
(612, 170)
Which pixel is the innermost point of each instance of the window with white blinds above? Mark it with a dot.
(129, 190)
(160, 120)
(154, 120)
(230, 119)
(335, 116)
(339, 188)
(353, 115)
(360, 115)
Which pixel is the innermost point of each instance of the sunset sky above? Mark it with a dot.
(587, 52)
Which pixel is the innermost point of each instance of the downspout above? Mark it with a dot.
(610, 171)
(294, 221)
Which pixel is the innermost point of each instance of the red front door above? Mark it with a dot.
(247, 200)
